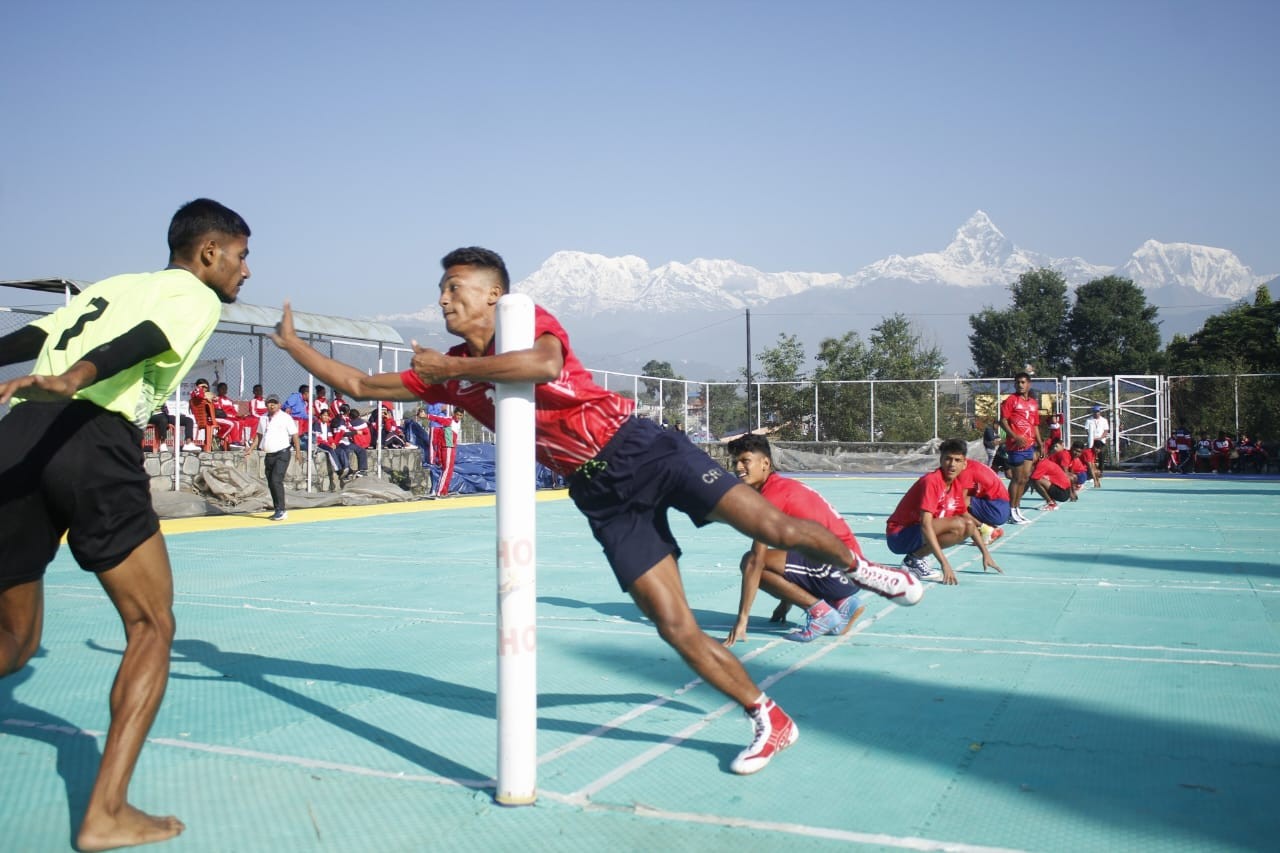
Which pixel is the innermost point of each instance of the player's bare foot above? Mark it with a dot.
(128, 828)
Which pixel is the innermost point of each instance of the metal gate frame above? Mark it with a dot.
(1083, 393)
(1141, 405)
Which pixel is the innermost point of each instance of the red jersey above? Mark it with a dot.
(574, 417)
(1063, 458)
(1088, 457)
(979, 481)
(257, 407)
(1023, 417)
(799, 501)
(930, 494)
(1052, 470)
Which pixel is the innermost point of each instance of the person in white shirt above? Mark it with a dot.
(1099, 431)
(276, 431)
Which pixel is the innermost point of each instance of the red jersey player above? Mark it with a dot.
(624, 472)
(932, 516)
(830, 600)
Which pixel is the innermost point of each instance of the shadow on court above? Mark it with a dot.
(78, 755)
(627, 610)
(256, 671)
(1133, 772)
(1177, 560)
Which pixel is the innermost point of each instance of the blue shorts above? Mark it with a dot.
(1017, 457)
(822, 580)
(908, 540)
(993, 512)
(1081, 477)
(626, 490)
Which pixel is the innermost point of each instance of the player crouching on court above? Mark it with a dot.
(931, 516)
(987, 497)
(624, 472)
(829, 599)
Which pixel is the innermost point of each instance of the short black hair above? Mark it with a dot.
(197, 218)
(953, 447)
(1021, 374)
(750, 443)
(475, 256)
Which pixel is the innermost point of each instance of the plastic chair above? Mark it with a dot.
(206, 425)
(149, 441)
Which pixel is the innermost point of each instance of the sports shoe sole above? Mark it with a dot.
(792, 735)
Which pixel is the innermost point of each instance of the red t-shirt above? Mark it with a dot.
(931, 494)
(1088, 457)
(979, 481)
(1063, 458)
(574, 417)
(1052, 470)
(1023, 416)
(799, 501)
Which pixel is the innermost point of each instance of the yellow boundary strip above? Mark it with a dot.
(204, 523)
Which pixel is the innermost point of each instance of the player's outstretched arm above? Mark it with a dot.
(350, 380)
(539, 364)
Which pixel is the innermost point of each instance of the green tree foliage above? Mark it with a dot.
(1244, 339)
(895, 350)
(904, 410)
(844, 406)
(673, 393)
(1113, 329)
(787, 408)
(1033, 330)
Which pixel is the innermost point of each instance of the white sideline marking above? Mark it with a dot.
(623, 770)
(905, 843)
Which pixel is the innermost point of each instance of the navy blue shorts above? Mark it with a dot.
(626, 490)
(70, 468)
(908, 540)
(821, 580)
(1026, 454)
(993, 512)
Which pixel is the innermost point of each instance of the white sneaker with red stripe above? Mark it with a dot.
(774, 732)
(898, 585)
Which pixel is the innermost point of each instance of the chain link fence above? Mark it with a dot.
(862, 415)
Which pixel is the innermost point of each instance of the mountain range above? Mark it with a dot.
(621, 312)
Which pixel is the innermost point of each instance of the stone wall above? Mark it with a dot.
(402, 467)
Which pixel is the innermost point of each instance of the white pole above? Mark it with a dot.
(517, 568)
(177, 438)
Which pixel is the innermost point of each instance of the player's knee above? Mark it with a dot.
(157, 625)
(742, 564)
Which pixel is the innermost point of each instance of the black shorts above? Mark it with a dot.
(1058, 493)
(626, 490)
(70, 468)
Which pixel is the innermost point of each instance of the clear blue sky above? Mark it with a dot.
(363, 140)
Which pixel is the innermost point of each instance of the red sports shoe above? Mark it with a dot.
(996, 533)
(774, 732)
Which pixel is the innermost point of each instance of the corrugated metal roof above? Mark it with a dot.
(258, 316)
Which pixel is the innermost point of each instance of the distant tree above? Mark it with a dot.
(1113, 329)
(1243, 339)
(787, 408)
(843, 409)
(904, 410)
(1033, 330)
(672, 393)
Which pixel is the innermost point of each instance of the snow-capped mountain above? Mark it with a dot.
(639, 312)
(978, 256)
(1213, 272)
